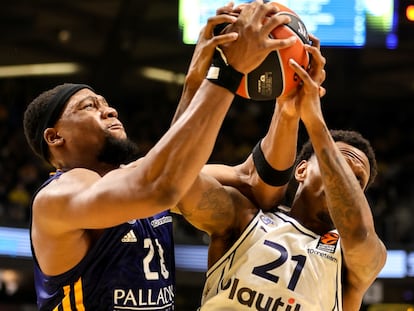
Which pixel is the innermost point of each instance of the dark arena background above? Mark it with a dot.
(136, 53)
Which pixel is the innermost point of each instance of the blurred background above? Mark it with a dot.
(136, 53)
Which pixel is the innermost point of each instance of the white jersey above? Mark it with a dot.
(276, 265)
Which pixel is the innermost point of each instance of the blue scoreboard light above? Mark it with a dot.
(337, 23)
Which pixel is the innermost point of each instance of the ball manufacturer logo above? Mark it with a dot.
(264, 84)
(302, 29)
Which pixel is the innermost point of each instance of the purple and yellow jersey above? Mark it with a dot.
(130, 267)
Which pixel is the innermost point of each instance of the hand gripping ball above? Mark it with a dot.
(274, 78)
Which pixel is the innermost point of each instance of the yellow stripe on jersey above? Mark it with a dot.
(66, 299)
(77, 294)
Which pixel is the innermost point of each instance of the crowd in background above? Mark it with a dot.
(391, 196)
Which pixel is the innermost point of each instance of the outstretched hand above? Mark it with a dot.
(202, 56)
(291, 102)
(317, 67)
(254, 42)
(307, 99)
(205, 47)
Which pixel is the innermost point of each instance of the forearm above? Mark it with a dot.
(280, 143)
(346, 200)
(191, 85)
(279, 151)
(350, 212)
(179, 156)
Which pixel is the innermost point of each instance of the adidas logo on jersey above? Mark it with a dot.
(129, 237)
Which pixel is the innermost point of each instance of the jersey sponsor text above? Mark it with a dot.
(259, 301)
(144, 297)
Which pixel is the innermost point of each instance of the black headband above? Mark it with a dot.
(55, 107)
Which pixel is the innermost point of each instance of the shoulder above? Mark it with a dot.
(62, 188)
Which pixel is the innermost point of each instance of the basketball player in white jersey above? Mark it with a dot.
(322, 252)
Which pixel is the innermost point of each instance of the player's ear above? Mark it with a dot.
(301, 170)
(52, 137)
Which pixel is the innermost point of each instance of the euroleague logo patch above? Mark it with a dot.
(266, 220)
(328, 242)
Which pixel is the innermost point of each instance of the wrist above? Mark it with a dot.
(287, 109)
(223, 74)
(194, 77)
(289, 117)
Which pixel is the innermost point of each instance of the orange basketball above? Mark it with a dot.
(274, 77)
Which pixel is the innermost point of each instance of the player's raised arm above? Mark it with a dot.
(345, 172)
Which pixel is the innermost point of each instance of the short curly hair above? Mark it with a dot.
(32, 116)
(349, 137)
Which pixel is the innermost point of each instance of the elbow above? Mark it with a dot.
(166, 195)
(367, 239)
(360, 236)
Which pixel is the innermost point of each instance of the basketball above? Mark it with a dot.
(274, 78)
